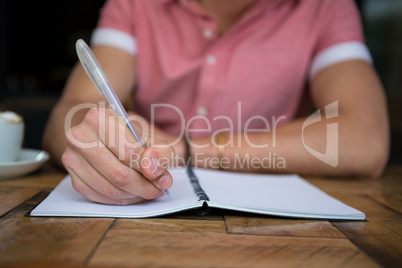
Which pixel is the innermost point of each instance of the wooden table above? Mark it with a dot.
(221, 239)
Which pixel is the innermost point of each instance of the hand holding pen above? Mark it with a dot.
(99, 172)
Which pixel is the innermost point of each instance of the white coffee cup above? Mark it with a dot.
(11, 136)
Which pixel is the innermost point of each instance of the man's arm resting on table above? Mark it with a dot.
(363, 118)
(363, 132)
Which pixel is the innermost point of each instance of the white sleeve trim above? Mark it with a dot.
(114, 38)
(337, 53)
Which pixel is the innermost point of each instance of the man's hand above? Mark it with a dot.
(108, 165)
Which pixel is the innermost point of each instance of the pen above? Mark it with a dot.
(98, 77)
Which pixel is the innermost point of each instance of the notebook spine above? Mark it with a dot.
(199, 192)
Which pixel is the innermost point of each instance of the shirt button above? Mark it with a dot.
(211, 60)
(208, 34)
(202, 111)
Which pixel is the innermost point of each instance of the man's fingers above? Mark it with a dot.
(94, 196)
(119, 175)
(152, 161)
(116, 136)
(103, 172)
(108, 165)
(78, 165)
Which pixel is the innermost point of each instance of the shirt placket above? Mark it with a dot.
(208, 67)
(211, 62)
(209, 71)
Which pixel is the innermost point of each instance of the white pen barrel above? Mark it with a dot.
(118, 108)
(113, 99)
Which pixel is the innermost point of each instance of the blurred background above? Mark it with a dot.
(37, 52)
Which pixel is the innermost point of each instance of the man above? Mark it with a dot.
(231, 74)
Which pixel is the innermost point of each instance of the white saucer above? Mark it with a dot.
(28, 161)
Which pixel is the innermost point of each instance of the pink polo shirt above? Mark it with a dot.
(257, 72)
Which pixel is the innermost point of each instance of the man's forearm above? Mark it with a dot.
(290, 149)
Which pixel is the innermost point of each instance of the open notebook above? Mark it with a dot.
(278, 195)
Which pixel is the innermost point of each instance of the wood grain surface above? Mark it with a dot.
(220, 239)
